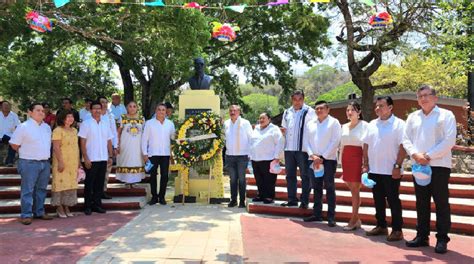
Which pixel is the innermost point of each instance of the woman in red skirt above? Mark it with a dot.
(353, 133)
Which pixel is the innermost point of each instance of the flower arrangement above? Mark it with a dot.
(189, 153)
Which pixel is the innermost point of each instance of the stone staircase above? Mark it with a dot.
(461, 199)
(123, 198)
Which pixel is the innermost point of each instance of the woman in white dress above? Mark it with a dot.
(130, 166)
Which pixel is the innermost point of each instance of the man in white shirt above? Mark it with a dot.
(32, 140)
(8, 122)
(238, 133)
(109, 118)
(156, 146)
(96, 149)
(294, 121)
(430, 133)
(85, 112)
(117, 108)
(385, 153)
(322, 137)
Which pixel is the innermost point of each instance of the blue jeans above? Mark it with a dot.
(236, 166)
(294, 159)
(328, 181)
(34, 181)
(11, 152)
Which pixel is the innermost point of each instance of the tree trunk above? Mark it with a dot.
(146, 101)
(128, 88)
(368, 94)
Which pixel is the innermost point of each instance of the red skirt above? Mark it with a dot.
(351, 163)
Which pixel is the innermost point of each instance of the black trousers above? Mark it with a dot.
(265, 180)
(387, 187)
(164, 163)
(327, 181)
(94, 184)
(438, 188)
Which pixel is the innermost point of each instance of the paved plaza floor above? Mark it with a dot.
(196, 233)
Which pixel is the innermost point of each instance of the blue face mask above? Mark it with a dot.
(318, 172)
(421, 173)
(369, 183)
(148, 166)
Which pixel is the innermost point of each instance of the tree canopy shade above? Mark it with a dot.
(154, 47)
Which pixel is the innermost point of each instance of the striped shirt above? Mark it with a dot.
(293, 123)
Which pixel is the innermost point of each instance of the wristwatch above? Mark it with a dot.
(397, 166)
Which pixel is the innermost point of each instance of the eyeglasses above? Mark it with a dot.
(421, 96)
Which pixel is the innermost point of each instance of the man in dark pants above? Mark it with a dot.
(238, 132)
(323, 136)
(430, 133)
(96, 148)
(384, 135)
(293, 122)
(156, 146)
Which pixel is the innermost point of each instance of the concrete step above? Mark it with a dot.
(459, 206)
(114, 190)
(9, 207)
(15, 180)
(455, 190)
(460, 224)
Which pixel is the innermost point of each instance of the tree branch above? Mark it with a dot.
(384, 86)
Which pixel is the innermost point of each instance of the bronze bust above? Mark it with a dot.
(200, 80)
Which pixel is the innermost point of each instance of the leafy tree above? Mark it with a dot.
(366, 46)
(416, 69)
(155, 46)
(321, 79)
(339, 93)
(260, 103)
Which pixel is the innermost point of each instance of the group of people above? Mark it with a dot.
(313, 141)
(87, 141)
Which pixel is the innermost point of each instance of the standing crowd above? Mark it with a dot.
(313, 142)
(310, 140)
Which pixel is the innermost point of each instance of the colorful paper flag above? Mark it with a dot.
(61, 3)
(155, 3)
(278, 2)
(237, 8)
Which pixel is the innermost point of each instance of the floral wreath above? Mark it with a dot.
(188, 153)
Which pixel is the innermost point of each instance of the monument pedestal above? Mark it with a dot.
(204, 182)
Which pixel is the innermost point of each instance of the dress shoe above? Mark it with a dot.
(257, 199)
(242, 204)
(353, 227)
(44, 217)
(441, 247)
(61, 214)
(331, 223)
(99, 210)
(418, 242)
(232, 204)
(87, 211)
(377, 231)
(26, 221)
(153, 201)
(162, 202)
(10, 165)
(288, 204)
(303, 206)
(313, 218)
(106, 196)
(395, 236)
(268, 201)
